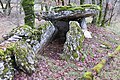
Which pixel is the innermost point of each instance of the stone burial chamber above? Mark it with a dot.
(20, 48)
(62, 19)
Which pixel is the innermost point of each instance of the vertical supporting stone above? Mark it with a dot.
(82, 23)
(73, 44)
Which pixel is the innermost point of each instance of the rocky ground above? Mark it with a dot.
(52, 67)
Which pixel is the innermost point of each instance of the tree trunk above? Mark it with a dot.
(2, 6)
(104, 17)
(62, 2)
(82, 1)
(7, 8)
(28, 6)
(112, 14)
(94, 17)
(100, 13)
(69, 2)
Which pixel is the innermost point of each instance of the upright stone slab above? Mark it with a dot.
(73, 42)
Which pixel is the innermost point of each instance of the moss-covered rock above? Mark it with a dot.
(1, 52)
(99, 66)
(75, 7)
(6, 68)
(88, 76)
(25, 32)
(24, 57)
(118, 48)
(18, 55)
(73, 42)
(18, 52)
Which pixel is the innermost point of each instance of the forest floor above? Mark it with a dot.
(52, 67)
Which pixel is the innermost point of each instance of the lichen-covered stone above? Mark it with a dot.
(88, 76)
(18, 51)
(99, 66)
(1, 52)
(21, 31)
(6, 68)
(1, 67)
(24, 33)
(24, 57)
(46, 37)
(75, 7)
(73, 42)
(118, 48)
(18, 55)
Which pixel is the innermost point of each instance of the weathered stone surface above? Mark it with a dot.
(69, 15)
(1, 67)
(71, 12)
(24, 57)
(18, 51)
(73, 42)
(47, 36)
(6, 69)
(60, 18)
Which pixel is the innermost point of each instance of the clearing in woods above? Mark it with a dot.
(52, 67)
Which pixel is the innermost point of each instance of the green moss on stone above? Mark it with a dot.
(88, 76)
(1, 52)
(74, 42)
(99, 66)
(74, 8)
(25, 57)
(118, 48)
